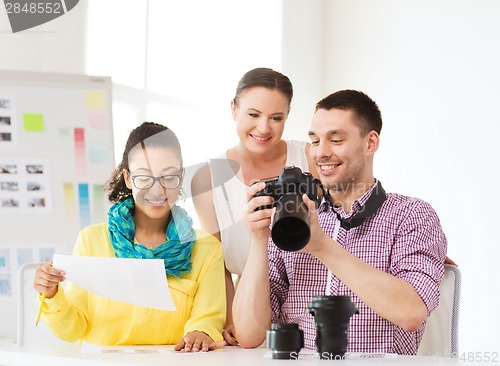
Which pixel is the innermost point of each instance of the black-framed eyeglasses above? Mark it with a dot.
(147, 181)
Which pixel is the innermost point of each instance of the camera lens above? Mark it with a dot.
(285, 340)
(290, 230)
(331, 317)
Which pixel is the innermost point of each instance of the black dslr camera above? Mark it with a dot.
(290, 229)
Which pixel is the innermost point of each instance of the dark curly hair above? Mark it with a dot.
(156, 135)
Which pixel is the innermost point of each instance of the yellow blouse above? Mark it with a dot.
(199, 296)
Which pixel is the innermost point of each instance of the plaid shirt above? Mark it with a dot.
(403, 238)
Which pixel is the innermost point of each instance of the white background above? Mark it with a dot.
(433, 68)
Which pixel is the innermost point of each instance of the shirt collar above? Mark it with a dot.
(356, 205)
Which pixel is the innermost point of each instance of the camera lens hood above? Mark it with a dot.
(285, 340)
(331, 317)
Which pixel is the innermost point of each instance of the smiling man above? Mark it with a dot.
(384, 250)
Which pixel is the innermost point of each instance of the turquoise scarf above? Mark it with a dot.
(175, 252)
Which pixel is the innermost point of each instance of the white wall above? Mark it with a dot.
(303, 61)
(56, 46)
(433, 67)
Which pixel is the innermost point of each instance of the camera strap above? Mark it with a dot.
(328, 288)
(371, 206)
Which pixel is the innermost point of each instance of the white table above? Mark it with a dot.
(72, 355)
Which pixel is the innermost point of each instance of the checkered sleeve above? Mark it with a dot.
(278, 281)
(419, 251)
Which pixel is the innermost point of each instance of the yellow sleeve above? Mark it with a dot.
(209, 307)
(67, 312)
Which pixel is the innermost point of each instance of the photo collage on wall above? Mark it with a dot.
(8, 123)
(13, 256)
(24, 186)
(37, 139)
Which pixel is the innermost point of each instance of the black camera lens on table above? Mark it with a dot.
(290, 229)
(285, 340)
(331, 316)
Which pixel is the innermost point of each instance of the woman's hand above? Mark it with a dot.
(197, 341)
(47, 279)
(229, 335)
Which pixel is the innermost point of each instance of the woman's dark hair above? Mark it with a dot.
(267, 78)
(366, 111)
(147, 134)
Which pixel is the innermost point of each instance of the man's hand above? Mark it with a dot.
(319, 240)
(258, 221)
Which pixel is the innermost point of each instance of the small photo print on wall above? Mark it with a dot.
(5, 121)
(9, 186)
(14, 255)
(34, 186)
(6, 270)
(34, 168)
(5, 285)
(36, 202)
(9, 203)
(5, 137)
(4, 103)
(8, 168)
(4, 260)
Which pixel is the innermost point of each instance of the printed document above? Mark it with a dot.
(134, 281)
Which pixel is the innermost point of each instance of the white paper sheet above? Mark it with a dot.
(135, 281)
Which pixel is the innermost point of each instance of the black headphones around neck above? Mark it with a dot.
(371, 206)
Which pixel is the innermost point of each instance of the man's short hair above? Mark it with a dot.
(366, 111)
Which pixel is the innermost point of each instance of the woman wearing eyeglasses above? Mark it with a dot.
(144, 222)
